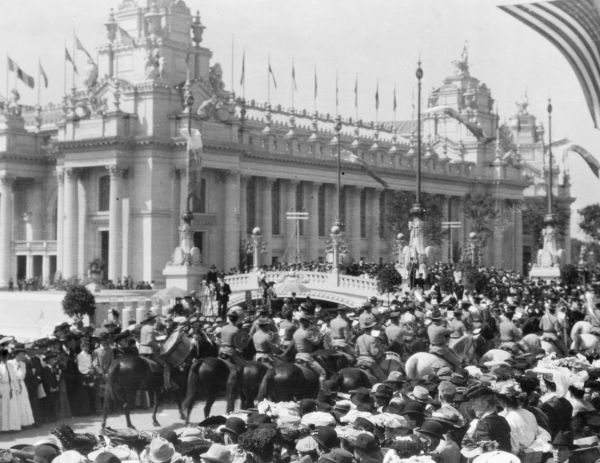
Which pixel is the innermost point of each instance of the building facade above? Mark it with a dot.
(102, 175)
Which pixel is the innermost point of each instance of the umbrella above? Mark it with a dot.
(171, 293)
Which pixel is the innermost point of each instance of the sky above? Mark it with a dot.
(376, 40)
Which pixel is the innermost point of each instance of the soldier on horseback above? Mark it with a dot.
(510, 335)
(341, 332)
(233, 341)
(439, 337)
(150, 348)
(263, 341)
(368, 348)
(552, 328)
(306, 341)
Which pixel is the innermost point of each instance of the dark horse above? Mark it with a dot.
(209, 376)
(132, 373)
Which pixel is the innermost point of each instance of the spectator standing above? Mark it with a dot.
(20, 368)
(9, 387)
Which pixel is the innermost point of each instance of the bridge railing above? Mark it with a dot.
(322, 281)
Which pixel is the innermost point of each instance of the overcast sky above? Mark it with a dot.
(376, 39)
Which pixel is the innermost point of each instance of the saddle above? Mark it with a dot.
(155, 367)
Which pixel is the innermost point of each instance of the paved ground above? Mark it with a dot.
(167, 416)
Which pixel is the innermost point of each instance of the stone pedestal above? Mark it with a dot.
(186, 277)
(544, 273)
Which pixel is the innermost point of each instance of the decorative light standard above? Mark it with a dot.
(400, 242)
(549, 219)
(336, 234)
(256, 243)
(338, 134)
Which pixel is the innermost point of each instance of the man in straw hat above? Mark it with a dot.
(150, 348)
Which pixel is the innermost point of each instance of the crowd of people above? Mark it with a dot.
(526, 390)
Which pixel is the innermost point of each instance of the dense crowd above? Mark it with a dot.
(525, 389)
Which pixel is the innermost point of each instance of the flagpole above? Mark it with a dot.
(244, 75)
(65, 72)
(73, 56)
(337, 94)
(377, 104)
(269, 80)
(7, 77)
(38, 81)
(293, 82)
(315, 91)
(232, 64)
(356, 97)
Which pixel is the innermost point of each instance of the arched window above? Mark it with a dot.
(104, 193)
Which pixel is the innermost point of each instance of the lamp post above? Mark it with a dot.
(338, 134)
(335, 234)
(189, 103)
(416, 209)
(256, 242)
(549, 219)
(400, 244)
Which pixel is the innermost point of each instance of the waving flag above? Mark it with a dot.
(349, 156)
(69, 58)
(243, 73)
(395, 102)
(272, 75)
(454, 114)
(590, 160)
(377, 96)
(316, 88)
(42, 74)
(572, 27)
(80, 46)
(21, 75)
(294, 76)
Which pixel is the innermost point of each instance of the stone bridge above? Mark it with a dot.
(338, 289)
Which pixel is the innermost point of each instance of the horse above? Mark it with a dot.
(287, 381)
(531, 344)
(583, 339)
(132, 373)
(425, 363)
(210, 374)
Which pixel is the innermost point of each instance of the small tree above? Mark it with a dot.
(79, 301)
(388, 280)
(590, 221)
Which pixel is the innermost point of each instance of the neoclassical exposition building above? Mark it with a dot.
(102, 174)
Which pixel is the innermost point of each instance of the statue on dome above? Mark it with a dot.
(462, 65)
(522, 105)
(91, 74)
(152, 64)
(215, 77)
(14, 107)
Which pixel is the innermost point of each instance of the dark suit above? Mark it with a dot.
(492, 427)
(559, 411)
(223, 292)
(48, 404)
(32, 380)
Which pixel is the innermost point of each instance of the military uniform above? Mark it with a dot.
(264, 345)
(457, 328)
(368, 352)
(340, 331)
(306, 341)
(552, 328)
(286, 332)
(438, 344)
(233, 340)
(509, 333)
(150, 348)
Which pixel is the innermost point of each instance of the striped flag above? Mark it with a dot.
(21, 75)
(80, 46)
(42, 74)
(272, 75)
(69, 58)
(572, 27)
(590, 160)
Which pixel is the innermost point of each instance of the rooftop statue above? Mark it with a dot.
(522, 104)
(462, 65)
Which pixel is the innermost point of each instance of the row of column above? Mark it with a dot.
(6, 226)
(312, 248)
(73, 228)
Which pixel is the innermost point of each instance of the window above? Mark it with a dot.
(199, 198)
(104, 193)
(199, 242)
(322, 211)
(300, 205)
(363, 213)
(275, 208)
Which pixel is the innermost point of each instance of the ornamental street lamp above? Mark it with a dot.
(256, 243)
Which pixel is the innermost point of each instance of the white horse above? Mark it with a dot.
(424, 363)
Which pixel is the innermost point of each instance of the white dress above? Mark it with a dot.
(25, 412)
(10, 419)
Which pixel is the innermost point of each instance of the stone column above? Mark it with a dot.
(115, 218)
(244, 180)
(373, 197)
(267, 217)
(125, 222)
(82, 224)
(498, 238)
(70, 225)
(518, 240)
(60, 213)
(37, 209)
(175, 206)
(6, 226)
(232, 220)
(313, 221)
(353, 220)
(29, 265)
(45, 268)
